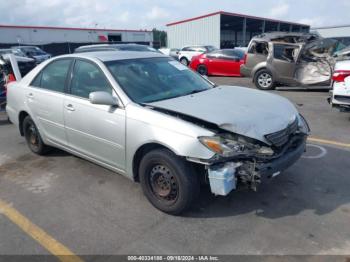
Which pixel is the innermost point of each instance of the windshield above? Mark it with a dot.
(153, 79)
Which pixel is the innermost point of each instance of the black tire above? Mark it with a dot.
(263, 80)
(33, 138)
(184, 61)
(202, 69)
(168, 182)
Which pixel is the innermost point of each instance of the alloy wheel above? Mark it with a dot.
(265, 80)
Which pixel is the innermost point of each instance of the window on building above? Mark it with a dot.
(115, 38)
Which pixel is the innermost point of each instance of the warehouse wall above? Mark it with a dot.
(46, 36)
(205, 31)
(333, 31)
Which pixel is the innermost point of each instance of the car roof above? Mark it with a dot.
(111, 45)
(106, 56)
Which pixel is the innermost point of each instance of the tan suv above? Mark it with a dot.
(289, 59)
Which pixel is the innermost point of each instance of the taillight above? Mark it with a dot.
(10, 78)
(245, 58)
(340, 75)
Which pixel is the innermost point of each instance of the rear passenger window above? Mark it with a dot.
(53, 77)
(259, 48)
(37, 80)
(88, 78)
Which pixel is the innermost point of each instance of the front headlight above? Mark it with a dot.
(229, 146)
(303, 125)
(219, 145)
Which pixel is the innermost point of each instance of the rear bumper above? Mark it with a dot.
(245, 71)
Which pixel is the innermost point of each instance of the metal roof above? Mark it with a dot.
(69, 28)
(330, 27)
(232, 14)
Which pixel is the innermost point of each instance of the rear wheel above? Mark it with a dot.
(168, 181)
(184, 61)
(263, 80)
(202, 69)
(33, 138)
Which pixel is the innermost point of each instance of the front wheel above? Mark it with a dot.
(263, 80)
(168, 181)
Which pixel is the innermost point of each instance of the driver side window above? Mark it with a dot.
(88, 78)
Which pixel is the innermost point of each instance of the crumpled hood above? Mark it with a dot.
(241, 110)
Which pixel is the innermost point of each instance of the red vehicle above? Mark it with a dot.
(224, 62)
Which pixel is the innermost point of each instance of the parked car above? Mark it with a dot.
(340, 87)
(25, 64)
(225, 62)
(157, 122)
(115, 47)
(187, 52)
(293, 59)
(33, 52)
(173, 52)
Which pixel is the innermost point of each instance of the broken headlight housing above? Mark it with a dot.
(303, 126)
(228, 145)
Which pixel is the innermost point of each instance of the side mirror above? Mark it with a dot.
(103, 98)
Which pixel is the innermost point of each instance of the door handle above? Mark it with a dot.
(70, 107)
(30, 95)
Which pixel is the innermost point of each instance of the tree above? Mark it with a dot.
(159, 38)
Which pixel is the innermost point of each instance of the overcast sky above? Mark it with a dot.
(147, 14)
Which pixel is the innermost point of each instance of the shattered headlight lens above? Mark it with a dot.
(216, 144)
(228, 146)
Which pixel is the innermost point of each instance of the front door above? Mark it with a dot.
(97, 131)
(229, 62)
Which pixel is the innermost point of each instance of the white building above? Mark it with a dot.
(224, 29)
(41, 35)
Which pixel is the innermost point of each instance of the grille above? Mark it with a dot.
(282, 137)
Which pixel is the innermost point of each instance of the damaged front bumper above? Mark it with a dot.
(226, 175)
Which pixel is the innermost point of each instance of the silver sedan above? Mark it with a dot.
(148, 117)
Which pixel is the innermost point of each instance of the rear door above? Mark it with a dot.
(97, 131)
(257, 53)
(283, 60)
(45, 96)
